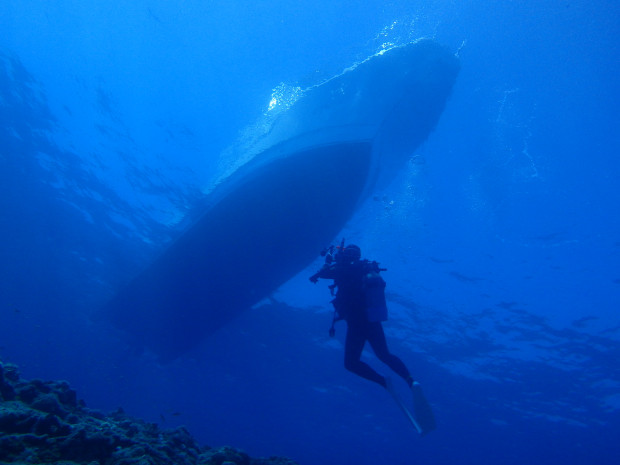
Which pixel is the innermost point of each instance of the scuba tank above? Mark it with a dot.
(374, 292)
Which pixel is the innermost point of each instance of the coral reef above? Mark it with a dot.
(44, 422)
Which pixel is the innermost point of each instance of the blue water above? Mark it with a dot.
(501, 235)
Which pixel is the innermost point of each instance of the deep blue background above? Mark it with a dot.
(501, 236)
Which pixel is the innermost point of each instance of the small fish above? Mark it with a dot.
(506, 305)
(463, 278)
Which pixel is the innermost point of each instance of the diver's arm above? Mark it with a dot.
(327, 272)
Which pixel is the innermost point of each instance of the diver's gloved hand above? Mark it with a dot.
(314, 279)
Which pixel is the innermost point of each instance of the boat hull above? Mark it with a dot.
(306, 177)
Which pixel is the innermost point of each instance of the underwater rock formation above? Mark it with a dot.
(44, 422)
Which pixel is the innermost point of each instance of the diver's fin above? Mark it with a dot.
(422, 410)
(403, 407)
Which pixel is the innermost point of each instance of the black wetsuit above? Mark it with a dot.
(351, 306)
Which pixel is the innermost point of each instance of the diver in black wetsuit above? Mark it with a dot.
(364, 309)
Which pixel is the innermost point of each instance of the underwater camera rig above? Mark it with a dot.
(333, 253)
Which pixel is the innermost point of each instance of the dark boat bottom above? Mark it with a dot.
(269, 226)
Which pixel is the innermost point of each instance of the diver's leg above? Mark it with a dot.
(353, 346)
(376, 337)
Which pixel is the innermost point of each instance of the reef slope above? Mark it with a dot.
(44, 422)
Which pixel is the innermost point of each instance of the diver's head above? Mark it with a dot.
(351, 253)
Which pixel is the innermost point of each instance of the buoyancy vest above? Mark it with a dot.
(374, 293)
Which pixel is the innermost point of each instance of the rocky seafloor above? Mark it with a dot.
(44, 422)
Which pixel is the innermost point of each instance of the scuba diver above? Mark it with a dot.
(360, 300)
